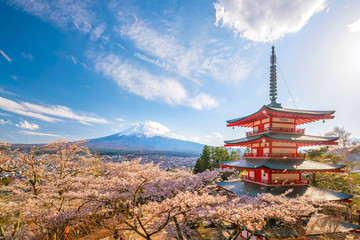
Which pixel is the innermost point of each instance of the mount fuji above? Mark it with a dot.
(147, 137)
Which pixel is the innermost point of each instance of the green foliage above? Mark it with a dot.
(347, 153)
(322, 155)
(211, 158)
(315, 154)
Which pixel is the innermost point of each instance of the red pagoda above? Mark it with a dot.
(274, 164)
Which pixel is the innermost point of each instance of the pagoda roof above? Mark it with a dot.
(253, 189)
(302, 140)
(282, 164)
(300, 116)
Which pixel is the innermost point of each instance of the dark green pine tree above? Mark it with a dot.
(218, 155)
(198, 166)
(203, 161)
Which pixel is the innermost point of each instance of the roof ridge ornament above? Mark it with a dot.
(273, 80)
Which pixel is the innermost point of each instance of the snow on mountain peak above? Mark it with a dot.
(147, 129)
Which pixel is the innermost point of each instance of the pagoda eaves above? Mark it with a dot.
(283, 164)
(300, 140)
(252, 189)
(300, 116)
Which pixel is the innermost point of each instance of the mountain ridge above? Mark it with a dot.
(148, 136)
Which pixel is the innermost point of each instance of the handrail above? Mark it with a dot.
(276, 182)
(275, 155)
(277, 129)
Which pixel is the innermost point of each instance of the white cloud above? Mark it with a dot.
(97, 32)
(73, 59)
(189, 60)
(202, 101)
(178, 136)
(163, 46)
(3, 91)
(64, 112)
(120, 119)
(3, 122)
(149, 86)
(62, 13)
(5, 114)
(11, 106)
(38, 133)
(218, 135)
(42, 112)
(265, 21)
(156, 128)
(26, 125)
(194, 139)
(76, 25)
(27, 56)
(5, 56)
(355, 26)
(214, 138)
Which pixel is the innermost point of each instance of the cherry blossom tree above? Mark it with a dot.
(62, 192)
(7, 162)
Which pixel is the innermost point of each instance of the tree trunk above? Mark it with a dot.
(180, 236)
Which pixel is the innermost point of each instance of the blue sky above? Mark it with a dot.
(85, 69)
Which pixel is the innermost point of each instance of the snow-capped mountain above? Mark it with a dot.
(148, 136)
(146, 129)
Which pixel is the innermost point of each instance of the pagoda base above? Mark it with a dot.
(253, 189)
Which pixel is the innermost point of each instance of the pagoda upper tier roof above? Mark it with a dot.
(301, 140)
(283, 164)
(300, 116)
(253, 189)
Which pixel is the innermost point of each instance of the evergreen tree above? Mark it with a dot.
(234, 155)
(204, 161)
(218, 155)
(212, 157)
(198, 166)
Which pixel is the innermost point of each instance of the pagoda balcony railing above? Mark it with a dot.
(275, 155)
(276, 182)
(276, 130)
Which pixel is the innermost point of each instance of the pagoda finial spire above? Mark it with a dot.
(273, 80)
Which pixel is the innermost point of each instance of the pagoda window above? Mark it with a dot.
(287, 120)
(284, 176)
(251, 174)
(283, 150)
(256, 129)
(255, 145)
(266, 151)
(266, 126)
(264, 175)
(257, 123)
(283, 144)
(254, 150)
